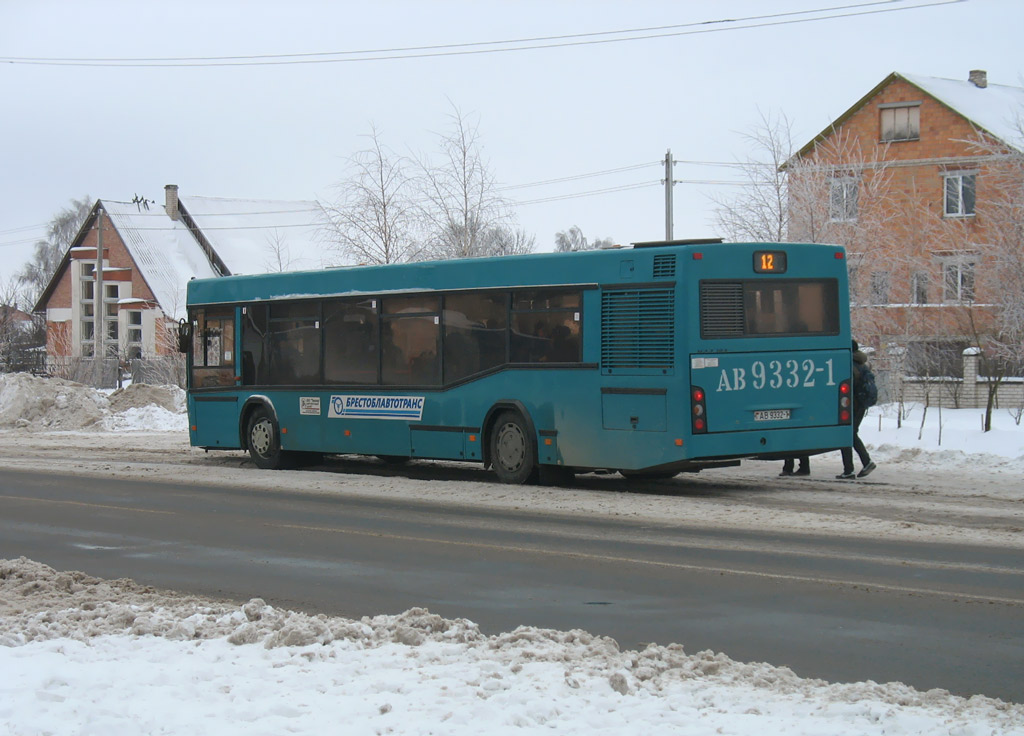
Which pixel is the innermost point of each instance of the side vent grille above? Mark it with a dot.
(638, 330)
(664, 267)
(721, 309)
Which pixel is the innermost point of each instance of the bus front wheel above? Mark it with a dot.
(264, 441)
(512, 452)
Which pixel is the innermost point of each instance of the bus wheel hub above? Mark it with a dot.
(511, 447)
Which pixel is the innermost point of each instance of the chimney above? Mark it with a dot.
(978, 77)
(171, 197)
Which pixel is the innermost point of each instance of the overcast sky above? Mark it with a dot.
(284, 130)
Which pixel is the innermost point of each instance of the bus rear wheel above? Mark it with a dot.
(512, 452)
(264, 441)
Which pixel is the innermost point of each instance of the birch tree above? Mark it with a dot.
(375, 218)
(460, 206)
(761, 210)
(35, 275)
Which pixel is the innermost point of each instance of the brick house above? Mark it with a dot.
(150, 253)
(908, 179)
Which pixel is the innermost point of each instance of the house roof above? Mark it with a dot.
(260, 235)
(164, 250)
(247, 236)
(995, 109)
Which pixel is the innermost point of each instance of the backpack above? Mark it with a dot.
(865, 391)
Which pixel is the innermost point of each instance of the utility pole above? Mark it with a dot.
(668, 194)
(99, 318)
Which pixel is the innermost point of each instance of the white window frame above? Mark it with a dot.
(959, 279)
(842, 198)
(959, 205)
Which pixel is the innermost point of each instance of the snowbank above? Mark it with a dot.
(122, 657)
(36, 404)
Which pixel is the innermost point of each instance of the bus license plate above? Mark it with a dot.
(771, 415)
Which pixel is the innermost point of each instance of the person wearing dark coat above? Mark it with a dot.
(860, 362)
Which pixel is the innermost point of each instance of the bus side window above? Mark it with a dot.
(350, 341)
(294, 343)
(474, 333)
(254, 345)
(546, 327)
(410, 341)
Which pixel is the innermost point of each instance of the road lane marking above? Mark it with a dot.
(860, 584)
(88, 505)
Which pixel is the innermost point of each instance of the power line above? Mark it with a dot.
(488, 47)
(590, 193)
(576, 177)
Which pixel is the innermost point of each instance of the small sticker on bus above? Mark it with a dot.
(697, 363)
(309, 406)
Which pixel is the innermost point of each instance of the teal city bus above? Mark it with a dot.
(651, 360)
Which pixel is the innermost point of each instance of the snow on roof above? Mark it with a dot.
(261, 235)
(166, 253)
(250, 236)
(997, 108)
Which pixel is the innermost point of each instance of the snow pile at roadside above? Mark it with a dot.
(944, 437)
(38, 404)
(123, 657)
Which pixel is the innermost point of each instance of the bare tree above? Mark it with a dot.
(508, 241)
(279, 253)
(760, 212)
(375, 219)
(460, 204)
(36, 274)
(570, 240)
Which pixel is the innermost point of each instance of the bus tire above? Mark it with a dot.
(513, 454)
(263, 440)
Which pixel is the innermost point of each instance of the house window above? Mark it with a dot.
(843, 199)
(900, 122)
(88, 291)
(880, 287)
(111, 291)
(919, 288)
(134, 333)
(958, 280)
(959, 194)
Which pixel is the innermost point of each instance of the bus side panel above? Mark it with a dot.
(213, 420)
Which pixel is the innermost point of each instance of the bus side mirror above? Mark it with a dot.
(184, 336)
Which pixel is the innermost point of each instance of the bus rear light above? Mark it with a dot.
(839, 255)
(679, 441)
(698, 410)
(698, 256)
(844, 402)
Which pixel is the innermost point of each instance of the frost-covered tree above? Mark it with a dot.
(567, 241)
(60, 233)
(460, 206)
(375, 218)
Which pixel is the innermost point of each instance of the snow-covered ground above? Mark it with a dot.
(79, 655)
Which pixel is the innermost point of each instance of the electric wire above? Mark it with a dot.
(540, 42)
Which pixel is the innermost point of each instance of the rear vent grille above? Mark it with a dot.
(638, 329)
(664, 267)
(721, 309)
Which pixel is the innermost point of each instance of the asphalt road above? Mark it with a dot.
(930, 615)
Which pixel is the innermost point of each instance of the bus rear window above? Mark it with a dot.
(769, 307)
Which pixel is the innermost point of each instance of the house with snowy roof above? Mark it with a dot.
(912, 179)
(122, 282)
